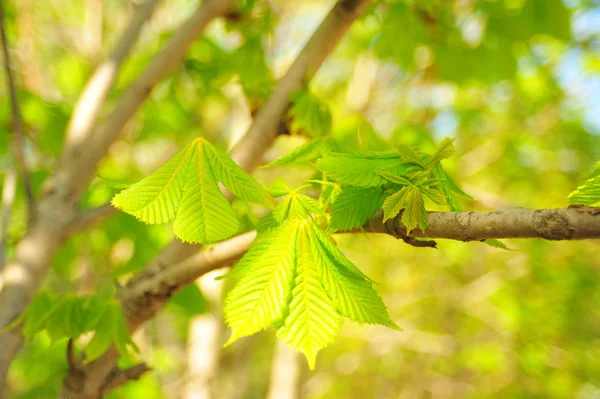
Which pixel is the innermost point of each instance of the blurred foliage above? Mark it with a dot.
(515, 82)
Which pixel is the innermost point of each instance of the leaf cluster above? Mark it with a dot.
(69, 316)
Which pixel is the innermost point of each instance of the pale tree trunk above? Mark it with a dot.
(205, 339)
(286, 373)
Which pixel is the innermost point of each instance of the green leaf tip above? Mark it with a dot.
(297, 280)
(186, 190)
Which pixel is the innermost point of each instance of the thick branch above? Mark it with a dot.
(147, 293)
(17, 121)
(91, 100)
(81, 157)
(119, 377)
(145, 296)
(575, 223)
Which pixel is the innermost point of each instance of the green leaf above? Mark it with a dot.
(313, 321)
(589, 193)
(360, 170)
(393, 204)
(233, 177)
(111, 328)
(394, 178)
(409, 155)
(267, 272)
(329, 246)
(185, 189)
(279, 188)
(36, 313)
(310, 115)
(414, 214)
(354, 206)
(306, 153)
(433, 194)
(296, 279)
(204, 214)
(120, 334)
(446, 185)
(190, 300)
(354, 297)
(444, 150)
(155, 199)
(102, 338)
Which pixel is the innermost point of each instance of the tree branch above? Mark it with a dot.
(17, 122)
(247, 153)
(145, 296)
(574, 223)
(80, 158)
(87, 218)
(94, 94)
(119, 377)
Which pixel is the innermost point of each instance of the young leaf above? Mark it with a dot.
(295, 279)
(267, 272)
(186, 189)
(279, 188)
(444, 150)
(353, 297)
(233, 177)
(155, 199)
(414, 214)
(433, 195)
(36, 313)
(359, 170)
(306, 153)
(393, 204)
(447, 189)
(353, 207)
(328, 246)
(409, 155)
(102, 338)
(310, 115)
(394, 178)
(204, 214)
(312, 322)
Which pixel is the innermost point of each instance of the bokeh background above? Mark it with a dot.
(516, 82)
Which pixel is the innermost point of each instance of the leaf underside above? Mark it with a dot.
(295, 279)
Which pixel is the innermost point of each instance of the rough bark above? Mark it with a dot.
(574, 223)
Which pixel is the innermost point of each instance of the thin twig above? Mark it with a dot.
(87, 218)
(118, 377)
(17, 122)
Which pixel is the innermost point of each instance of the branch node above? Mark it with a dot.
(118, 377)
(74, 364)
(420, 243)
